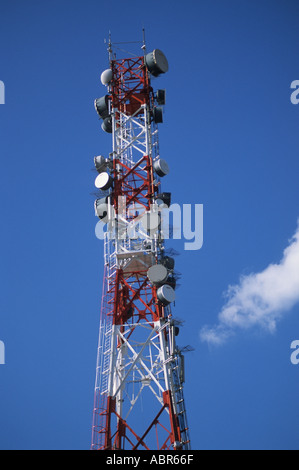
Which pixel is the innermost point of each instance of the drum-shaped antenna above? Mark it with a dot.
(156, 62)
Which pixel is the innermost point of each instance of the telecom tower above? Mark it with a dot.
(139, 402)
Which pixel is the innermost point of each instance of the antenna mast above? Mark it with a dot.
(139, 402)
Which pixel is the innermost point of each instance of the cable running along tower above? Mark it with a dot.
(139, 402)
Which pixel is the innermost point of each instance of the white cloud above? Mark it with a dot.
(260, 299)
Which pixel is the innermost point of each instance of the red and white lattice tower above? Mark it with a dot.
(139, 402)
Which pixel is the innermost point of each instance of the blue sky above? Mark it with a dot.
(230, 137)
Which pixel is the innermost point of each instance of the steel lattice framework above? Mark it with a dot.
(139, 402)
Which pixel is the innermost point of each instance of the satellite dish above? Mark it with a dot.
(103, 181)
(100, 163)
(166, 294)
(168, 262)
(157, 274)
(107, 125)
(163, 199)
(161, 167)
(156, 62)
(106, 76)
(102, 106)
(158, 114)
(101, 209)
(160, 96)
